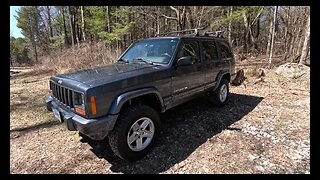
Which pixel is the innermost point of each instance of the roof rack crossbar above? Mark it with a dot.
(195, 31)
(216, 33)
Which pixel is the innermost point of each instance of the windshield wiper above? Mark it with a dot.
(122, 60)
(142, 60)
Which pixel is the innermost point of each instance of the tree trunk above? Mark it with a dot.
(179, 24)
(257, 29)
(146, 25)
(191, 18)
(229, 27)
(253, 40)
(132, 33)
(35, 51)
(11, 63)
(108, 19)
(200, 19)
(273, 32)
(305, 43)
(292, 38)
(157, 20)
(34, 44)
(246, 32)
(71, 27)
(286, 39)
(249, 31)
(183, 19)
(32, 38)
(77, 33)
(75, 25)
(49, 20)
(269, 37)
(295, 44)
(66, 41)
(301, 37)
(82, 24)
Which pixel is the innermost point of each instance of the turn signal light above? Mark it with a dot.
(93, 105)
(80, 111)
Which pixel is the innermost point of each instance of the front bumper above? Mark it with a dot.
(96, 129)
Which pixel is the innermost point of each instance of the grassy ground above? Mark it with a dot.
(264, 128)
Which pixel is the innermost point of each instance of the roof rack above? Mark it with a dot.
(194, 32)
(216, 33)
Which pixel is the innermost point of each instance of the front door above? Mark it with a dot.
(188, 80)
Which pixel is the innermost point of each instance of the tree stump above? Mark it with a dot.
(239, 79)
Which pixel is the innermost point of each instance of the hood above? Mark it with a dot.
(110, 73)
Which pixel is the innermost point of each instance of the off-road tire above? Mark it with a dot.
(118, 136)
(215, 95)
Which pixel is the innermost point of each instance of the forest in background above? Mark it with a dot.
(84, 36)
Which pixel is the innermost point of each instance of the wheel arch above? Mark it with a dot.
(222, 75)
(150, 96)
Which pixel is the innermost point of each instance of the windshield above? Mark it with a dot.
(153, 51)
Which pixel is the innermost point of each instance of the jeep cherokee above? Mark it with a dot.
(122, 101)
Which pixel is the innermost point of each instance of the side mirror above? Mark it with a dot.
(185, 61)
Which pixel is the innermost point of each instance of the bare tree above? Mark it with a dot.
(246, 32)
(282, 32)
(75, 24)
(180, 17)
(108, 19)
(33, 33)
(229, 26)
(71, 27)
(273, 32)
(48, 8)
(201, 15)
(269, 37)
(305, 44)
(66, 41)
(82, 24)
(11, 48)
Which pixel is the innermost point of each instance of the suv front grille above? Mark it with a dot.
(64, 95)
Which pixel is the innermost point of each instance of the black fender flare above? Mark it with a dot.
(124, 97)
(219, 77)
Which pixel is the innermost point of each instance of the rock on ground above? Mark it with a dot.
(294, 71)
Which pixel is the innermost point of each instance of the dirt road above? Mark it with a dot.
(264, 128)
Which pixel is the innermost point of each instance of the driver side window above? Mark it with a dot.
(190, 48)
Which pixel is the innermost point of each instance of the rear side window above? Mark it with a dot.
(209, 50)
(225, 50)
(190, 48)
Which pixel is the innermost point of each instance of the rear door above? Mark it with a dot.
(211, 62)
(226, 57)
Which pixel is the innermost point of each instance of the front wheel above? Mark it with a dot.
(136, 130)
(219, 97)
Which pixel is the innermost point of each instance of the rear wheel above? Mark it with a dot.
(135, 133)
(219, 97)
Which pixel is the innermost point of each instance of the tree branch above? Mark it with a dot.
(259, 13)
(168, 17)
(175, 9)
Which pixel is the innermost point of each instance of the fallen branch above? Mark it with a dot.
(259, 80)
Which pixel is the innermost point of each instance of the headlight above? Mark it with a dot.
(78, 101)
